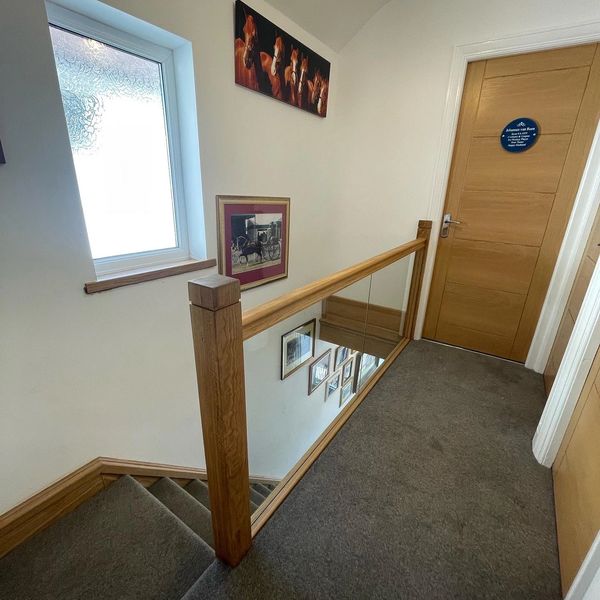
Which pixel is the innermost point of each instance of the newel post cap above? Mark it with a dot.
(214, 292)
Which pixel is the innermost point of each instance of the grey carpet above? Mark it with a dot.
(194, 514)
(256, 498)
(199, 490)
(263, 490)
(122, 543)
(429, 492)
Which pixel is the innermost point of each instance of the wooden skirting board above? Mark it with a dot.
(60, 498)
(289, 482)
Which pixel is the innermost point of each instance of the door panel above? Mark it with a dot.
(507, 217)
(502, 267)
(488, 343)
(481, 310)
(493, 269)
(563, 58)
(490, 167)
(577, 480)
(551, 97)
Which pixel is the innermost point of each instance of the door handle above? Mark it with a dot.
(446, 222)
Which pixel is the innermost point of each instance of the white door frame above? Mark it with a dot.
(586, 333)
(586, 201)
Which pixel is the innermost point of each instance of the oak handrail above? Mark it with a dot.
(266, 315)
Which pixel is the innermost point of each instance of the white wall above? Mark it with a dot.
(283, 420)
(112, 374)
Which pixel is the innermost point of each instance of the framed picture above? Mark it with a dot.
(319, 371)
(270, 61)
(341, 354)
(333, 384)
(347, 370)
(367, 365)
(297, 347)
(253, 237)
(346, 392)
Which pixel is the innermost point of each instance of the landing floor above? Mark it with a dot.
(429, 492)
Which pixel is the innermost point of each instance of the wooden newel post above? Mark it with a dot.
(416, 283)
(217, 331)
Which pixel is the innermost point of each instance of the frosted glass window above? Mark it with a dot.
(115, 111)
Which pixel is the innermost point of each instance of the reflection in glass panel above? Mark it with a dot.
(113, 103)
(385, 322)
(299, 374)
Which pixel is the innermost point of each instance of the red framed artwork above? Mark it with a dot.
(253, 238)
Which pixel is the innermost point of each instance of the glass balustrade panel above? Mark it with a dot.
(300, 374)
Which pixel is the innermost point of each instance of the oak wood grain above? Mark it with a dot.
(575, 162)
(266, 315)
(577, 480)
(506, 217)
(552, 98)
(494, 266)
(218, 348)
(546, 60)
(537, 170)
(110, 282)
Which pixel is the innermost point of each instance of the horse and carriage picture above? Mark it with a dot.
(253, 238)
(270, 61)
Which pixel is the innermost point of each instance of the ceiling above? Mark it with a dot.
(334, 22)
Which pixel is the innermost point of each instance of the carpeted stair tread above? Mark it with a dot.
(193, 513)
(199, 490)
(256, 499)
(123, 543)
(263, 490)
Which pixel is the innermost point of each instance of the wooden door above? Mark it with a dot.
(493, 270)
(580, 286)
(576, 473)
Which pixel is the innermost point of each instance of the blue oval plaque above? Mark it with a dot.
(519, 135)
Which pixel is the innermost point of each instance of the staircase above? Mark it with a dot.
(125, 542)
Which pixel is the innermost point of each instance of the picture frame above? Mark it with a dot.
(348, 370)
(319, 371)
(333, 385)
(297, 347)
(367, 364)
(341, 354)
(270, 61)
(253, 238)
(346, 392)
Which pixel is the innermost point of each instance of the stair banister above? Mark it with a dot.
(268, 314)
(217, 334)
(219, 330)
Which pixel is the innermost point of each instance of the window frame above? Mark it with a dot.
(120, 39)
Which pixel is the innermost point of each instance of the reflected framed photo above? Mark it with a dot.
(346, 393)
(348, 370)
(341, 354)
(333, 385)
(253, 238)
(367, 364)
(319, 371)
(297, 347)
